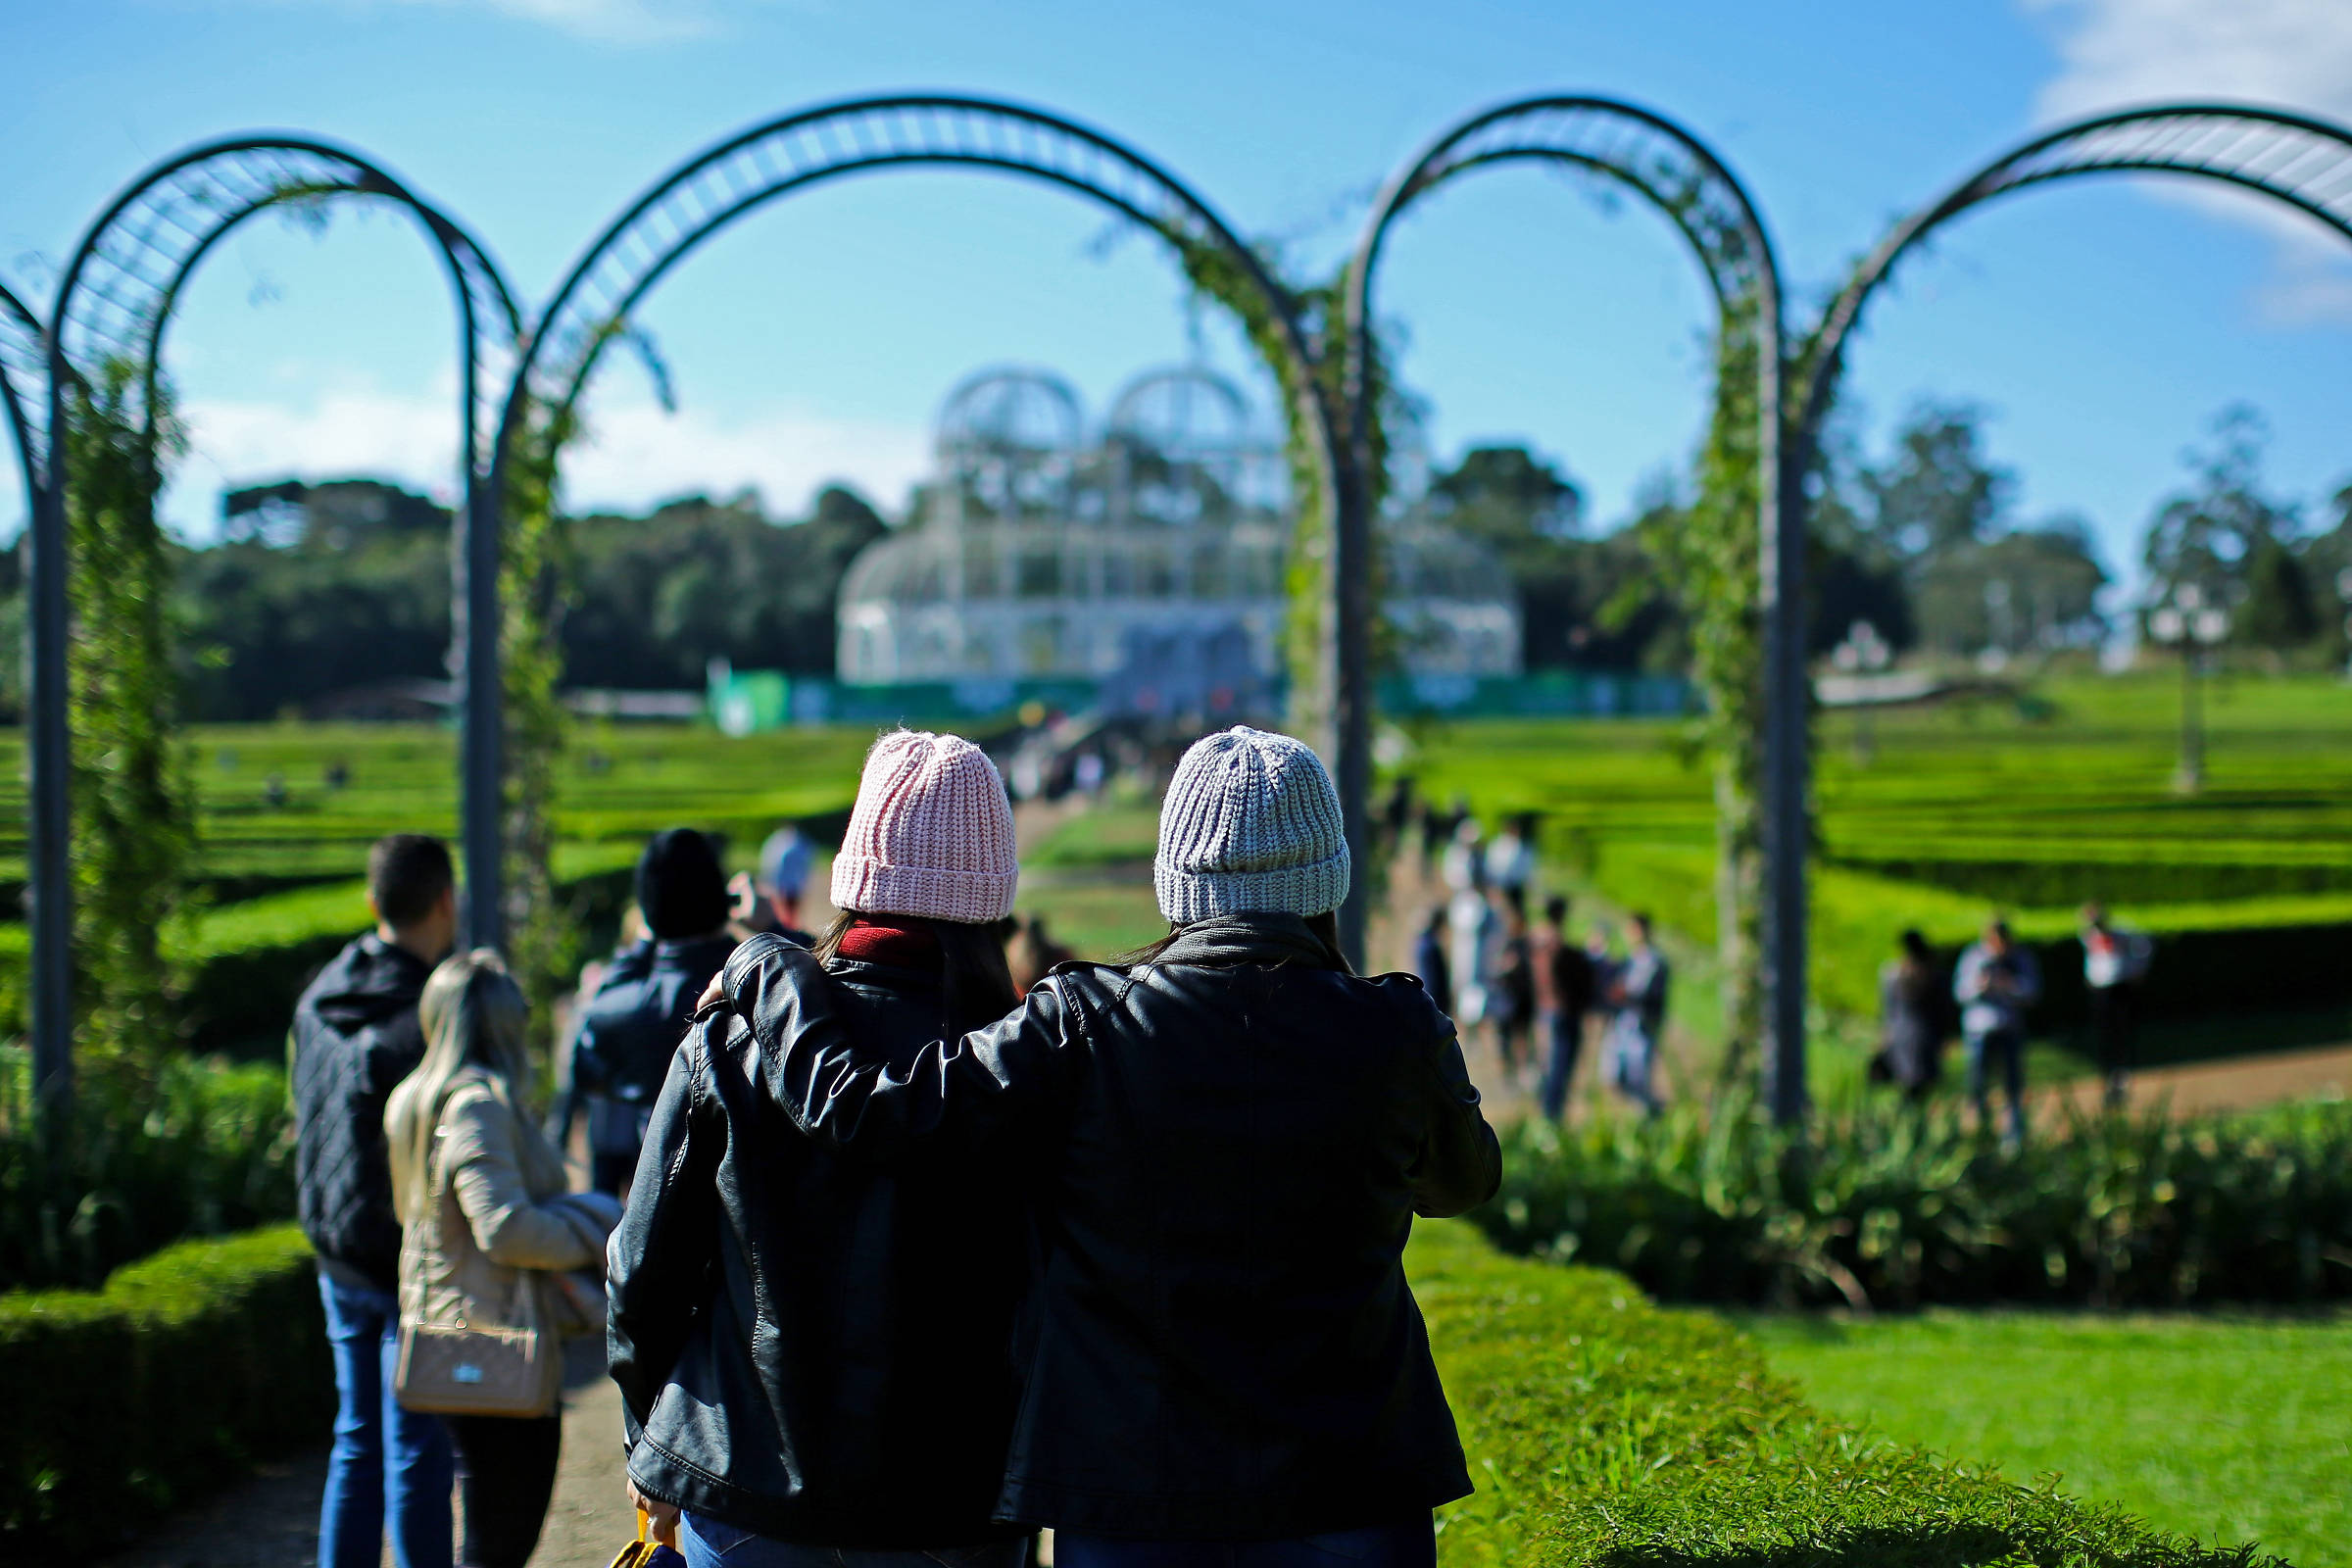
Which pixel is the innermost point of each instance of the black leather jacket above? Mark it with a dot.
(355, 1037)
(808, 1345)
(1233, 1140)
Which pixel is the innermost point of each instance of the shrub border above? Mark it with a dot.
(126, 1402)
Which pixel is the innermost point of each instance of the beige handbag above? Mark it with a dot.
(459, 1369)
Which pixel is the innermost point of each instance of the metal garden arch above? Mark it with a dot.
(2303, 162)
(115, 302)
(769, 162)
(1682, 178)
(24, 366)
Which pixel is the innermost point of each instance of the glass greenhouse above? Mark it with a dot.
(1041, 548)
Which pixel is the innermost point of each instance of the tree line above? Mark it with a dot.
(319, 589)
(1927, 546)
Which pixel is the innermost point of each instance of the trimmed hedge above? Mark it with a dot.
(206, 1150)
(1880, 1204)
(124, 1403)
(247, 962)
(1608, 1433)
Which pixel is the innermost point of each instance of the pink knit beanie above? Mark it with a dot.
(931, 833)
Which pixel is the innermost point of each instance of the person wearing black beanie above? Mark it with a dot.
(681, 890)
(630, 1027)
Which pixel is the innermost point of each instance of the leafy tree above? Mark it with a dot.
(2023, 589)
(1939, 492)
(1509, 498)
(1851, 574)
(2279, 613)
(2212, 534)
(1586, 604)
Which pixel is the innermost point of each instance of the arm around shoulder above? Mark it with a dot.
(847, 1101)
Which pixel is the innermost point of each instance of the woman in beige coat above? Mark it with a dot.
(490, 1233)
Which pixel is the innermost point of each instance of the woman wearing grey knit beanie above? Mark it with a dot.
(1225, 1141)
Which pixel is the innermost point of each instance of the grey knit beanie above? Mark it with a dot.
(1251, 823)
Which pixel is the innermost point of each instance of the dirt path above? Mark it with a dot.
(2241, 1083)
(271, 1521)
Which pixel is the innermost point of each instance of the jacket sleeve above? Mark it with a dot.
(971, 1086)
(509, 1225)
(659, 1263)
(1460, 1162)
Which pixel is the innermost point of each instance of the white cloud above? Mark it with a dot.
(2290, 54)
(634, 455)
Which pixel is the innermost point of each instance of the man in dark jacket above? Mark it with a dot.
(356, 1037)
(631, 1026)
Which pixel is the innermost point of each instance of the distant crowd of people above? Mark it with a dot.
(1529, 994)
(1988, 998)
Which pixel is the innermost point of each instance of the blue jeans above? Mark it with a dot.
(1563, 1043)
(1408, 1546)
(387, 1462)
(710, 1544)
(2004, 1049)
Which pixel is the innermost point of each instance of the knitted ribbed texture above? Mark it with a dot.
(931, 833)
(1250, 824)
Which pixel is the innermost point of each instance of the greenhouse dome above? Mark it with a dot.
(1038, 551)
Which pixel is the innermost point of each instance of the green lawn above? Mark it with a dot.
(2227, 1428)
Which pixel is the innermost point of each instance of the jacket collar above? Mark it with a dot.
(1253, 938)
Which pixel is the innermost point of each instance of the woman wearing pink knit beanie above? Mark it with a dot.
(1227, 1138)
(813, 1348)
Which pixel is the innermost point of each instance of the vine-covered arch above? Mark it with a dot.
(793, 153)
(114, 306)
(2295, 159)
(1680, 176)
(24, 369)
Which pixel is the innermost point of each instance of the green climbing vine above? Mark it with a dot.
(133, 842)
(1708, 555)
(534, 568)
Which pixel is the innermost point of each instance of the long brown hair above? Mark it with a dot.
(975, 982)
(1325, 927)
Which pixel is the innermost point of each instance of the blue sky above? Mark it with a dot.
(2102, 325)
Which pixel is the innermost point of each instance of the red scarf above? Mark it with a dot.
(886, 939)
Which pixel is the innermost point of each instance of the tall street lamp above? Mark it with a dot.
(2187, 622)
(1863, 653)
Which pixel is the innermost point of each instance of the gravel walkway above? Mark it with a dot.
(271, 1521)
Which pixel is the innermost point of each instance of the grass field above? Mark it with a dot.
(616, 783)
(2230, 1429)
(2029, 804)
